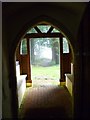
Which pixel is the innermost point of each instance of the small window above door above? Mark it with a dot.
(32, 30)
(44, 28)
(55, 31)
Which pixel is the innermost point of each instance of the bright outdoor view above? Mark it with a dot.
(45, 59)
(45, 56)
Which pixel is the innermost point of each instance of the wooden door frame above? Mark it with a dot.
(50, 35)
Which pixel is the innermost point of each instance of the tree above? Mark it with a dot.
(55, 50)
(52, 43)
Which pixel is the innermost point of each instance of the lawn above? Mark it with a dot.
(51, 72)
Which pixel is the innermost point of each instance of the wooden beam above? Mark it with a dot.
(61, 60)
(43, 35)
(50, 30)
(28, 60)
(37, 29)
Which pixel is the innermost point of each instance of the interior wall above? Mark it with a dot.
(83, 58)
(6, 96)
(16, 16)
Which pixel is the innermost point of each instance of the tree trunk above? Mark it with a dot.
(55, 53)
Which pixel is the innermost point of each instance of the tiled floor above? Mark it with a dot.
(46, 102)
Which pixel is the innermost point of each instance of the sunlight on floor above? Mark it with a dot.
(37, 83)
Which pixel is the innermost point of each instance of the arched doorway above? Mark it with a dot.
(14, 54)
(15, 19)
(64, 49)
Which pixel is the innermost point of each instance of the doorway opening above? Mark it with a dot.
(45, 61)
(44, 53)
(40, 50)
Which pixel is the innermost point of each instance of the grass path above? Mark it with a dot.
(52, 72)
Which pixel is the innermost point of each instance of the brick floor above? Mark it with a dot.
(48, 101)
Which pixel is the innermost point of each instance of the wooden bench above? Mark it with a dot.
(21, 87)
(69, 80)
(21, 84)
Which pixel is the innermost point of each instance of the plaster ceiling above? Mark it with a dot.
(10, 8)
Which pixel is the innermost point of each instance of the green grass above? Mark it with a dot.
(52, 72)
